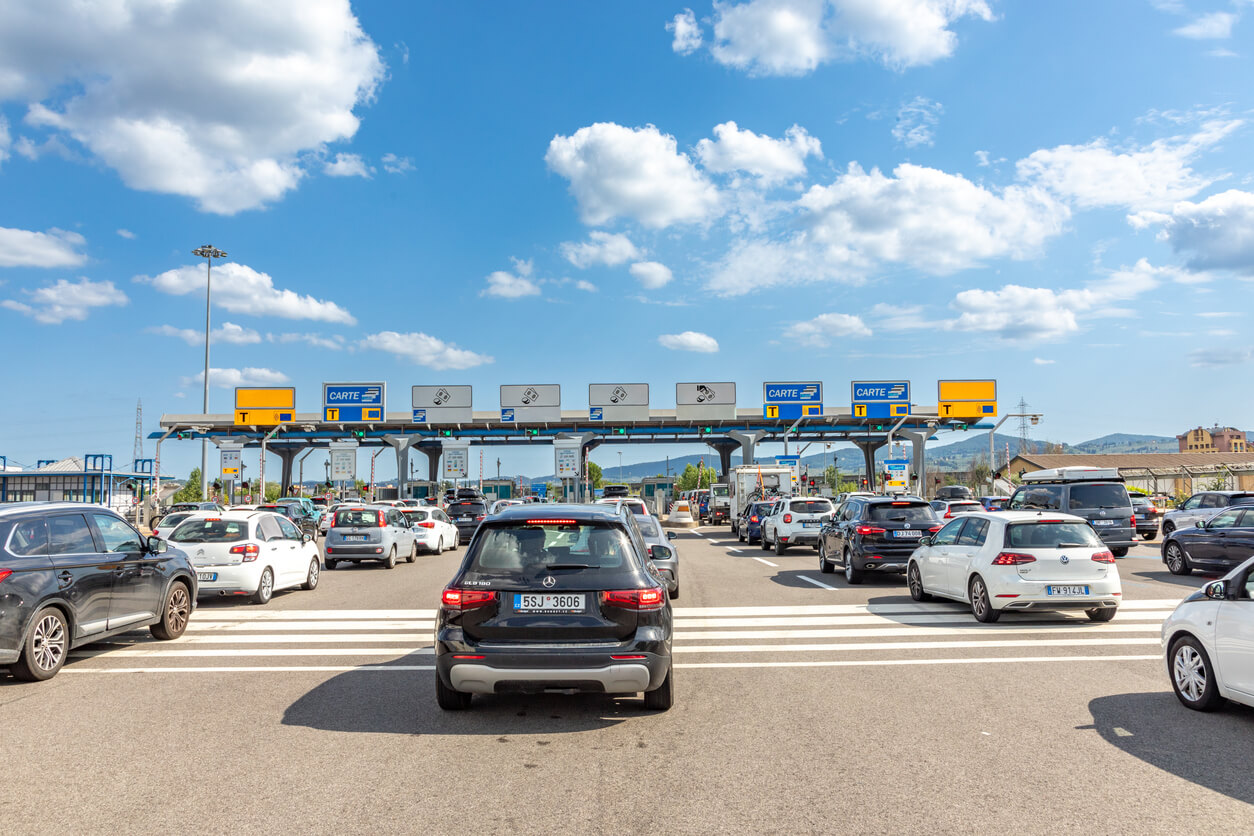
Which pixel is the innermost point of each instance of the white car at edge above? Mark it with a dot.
(433, 531)
(1017, 560)
(1208, 642)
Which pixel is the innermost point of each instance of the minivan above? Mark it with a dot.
(1096, 493)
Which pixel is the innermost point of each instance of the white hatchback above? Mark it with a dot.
(247, 553)
(1017, 560)
(433, 532)
(1209, 642)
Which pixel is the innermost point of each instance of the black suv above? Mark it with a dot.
(466, 514)
(295, 512)
(71, 574)
(562, 598)
(875, 534)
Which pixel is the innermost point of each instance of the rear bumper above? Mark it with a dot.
(356, 551)
(1031, 595)
(888, 561)
(231, 580)
(800, 536)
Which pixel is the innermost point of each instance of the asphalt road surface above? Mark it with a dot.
(803, 705)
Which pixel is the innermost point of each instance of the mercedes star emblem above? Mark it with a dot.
(549, 580)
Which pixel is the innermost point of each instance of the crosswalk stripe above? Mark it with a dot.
(958, 616)
(258, 651)
(216, 614)
(243, 626)
(843, 646)
(879, 632)
(904, 607)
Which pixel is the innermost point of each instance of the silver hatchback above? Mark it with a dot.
(662, 552)
(369, 532)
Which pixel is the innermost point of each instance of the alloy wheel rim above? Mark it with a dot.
(916, 585)
(176, 609)
(313, 573)
(977, 597)
(48, 643)
(267, 582)
(848, 565)
(1173, 556)
(1190, 673)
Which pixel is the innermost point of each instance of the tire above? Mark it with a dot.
(740, 535)
(413, 552)
(331, 564)
(1121, 551)
(1168, 527)
(853, 575)
(1150, 536)
(915, 581)
(981, 604)
(439, 547)
(448, 699)
(674, 593)
(780, 548)
(1177, 561)
(265, 587)
(1101, 613)
(390, 561)
(46, 647)
(311, 579)
(825, 565)
(1192, 675)
(662, 697)
(175, 612)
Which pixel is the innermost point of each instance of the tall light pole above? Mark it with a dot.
(992, 466)
(208, 252)
(620, 465)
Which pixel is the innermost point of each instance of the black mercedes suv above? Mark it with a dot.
(556, 598)
(875, 534)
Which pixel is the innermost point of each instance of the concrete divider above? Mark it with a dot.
(680, 516)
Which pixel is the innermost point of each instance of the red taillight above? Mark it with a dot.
(1103, 557)
(1012, 559)
(250, 552)
(1134, 520)
(465, 656)
(787, 518)
(934, 529)
(869, 529)
(1153, 509)
(481, 516)
(634, 599)
(467, 599)
(948, 516)
(4, 573)
(548, 522)
(382, 522)
(426, 525)
(627, 657)
(753, 519)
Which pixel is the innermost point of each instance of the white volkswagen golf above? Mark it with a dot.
(433, 532)
(1209, 642)
(1017, 560)
(253, 553)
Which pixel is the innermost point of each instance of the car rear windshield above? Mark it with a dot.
(357, 517)
(810, 506)
(1051, 535)
(649, 528)
(576, 554)
(904, 512)
(170, 520)
(210, 531)
(461, 508)
(414, 514)
(1099, 496)
(719, 490)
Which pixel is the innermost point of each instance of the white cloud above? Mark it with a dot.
(393, 164)
(6, 141)
(178, 103)
(330, 341)
(512, 285)
(637, 173)
(1220, 52)
(54, 248)
(760, 155)
(1155, 175)
(55, 303)
(239, 288)
(794, 37)
(1212, 26)
(232, 378)
(127, 234)
(917, 121)
(346, 165)
(651, 274)
(229, 332)
(424, 350)
(588, 287)
(1217, 233)
(686, 31)
(689, 341)
(981, 158)
(1214, 357)
(823, 328)
(610, 249)
(895, 318)
(1040, 361)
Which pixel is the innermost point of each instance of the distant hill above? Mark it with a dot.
(1128, 443)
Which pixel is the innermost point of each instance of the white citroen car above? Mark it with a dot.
(1017, 560)
(433, 532)
(1209, 642)
(247, 553)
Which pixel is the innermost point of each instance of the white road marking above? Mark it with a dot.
(242, 626)
(906, 607)
(216, 614)
(273, 651)
(881, 632)
(961, 616)
(257, 669)
(734, 551)
(807, 648)
(767, 562)
(816, 583)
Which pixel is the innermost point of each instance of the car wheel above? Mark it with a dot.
(662, 697)
(331, 564)
(1193, 676)
(981, 605)
(853, 575)
(413, 552)
(265, 587)
(311, 579)
(439, 547)
(448, 699)
(1177, 561)
(914, 580)
(1149, 535)
(1168, 527)
(390, 562)
(780, 548)
(740, 535)
(174, 615)
(1121, 551)
(674, 593)
(1101, 613)
(824, 565)
(45, 648)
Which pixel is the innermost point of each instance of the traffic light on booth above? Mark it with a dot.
(184, 435)
(243, 486)
(532, 431)
(864, 483)
(620, 431)
(359, 433)
(446, 433)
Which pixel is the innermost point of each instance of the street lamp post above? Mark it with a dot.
(620, 466)
(992, 467)
(208, 252)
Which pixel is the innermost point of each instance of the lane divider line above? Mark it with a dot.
(767, 562)
(816, 583)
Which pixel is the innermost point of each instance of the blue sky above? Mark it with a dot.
(1058, 195)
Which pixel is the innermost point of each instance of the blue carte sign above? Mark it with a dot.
(787, 401)
(881, 391)
(353, 402)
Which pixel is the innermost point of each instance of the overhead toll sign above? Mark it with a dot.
(230, 463)
(618, 401)
(258, 405)
(353, 403)
(442, 405)
(880, 398)
(966, 398)
(705, 401)
(896, 475)
(789, 401)
(534, 403)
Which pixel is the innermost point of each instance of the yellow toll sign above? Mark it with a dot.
(259, 417)
(259, 397)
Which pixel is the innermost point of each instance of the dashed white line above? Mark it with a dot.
(767, 562)
(816, 583)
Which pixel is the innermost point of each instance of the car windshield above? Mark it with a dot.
(415, 514)
(719, 490)
(457, 509)
(904, 512)
(358, 518)
(171, 520)
(572, 552)
(1099, 496)
(1051, 535)
(810, 506)
(210, 531)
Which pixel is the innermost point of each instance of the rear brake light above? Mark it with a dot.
(467, 599)
(631, 656)
(948, 515)
(382, 522)
(634, 599)
(1012, 559)
(426, 525)
(753, 519)
(787, 518)
(1103, 557)
(4, 573)
(249, 551)
(549, 522)
(869, 529)
(934, 529)
(481, 516)
(1134, 520)
(213, 519)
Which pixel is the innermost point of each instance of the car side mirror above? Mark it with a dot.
(659, 553)
(925, 541)
(670, 535)
(306, 538)
(1217, 591)
(1199, 524)
(156, 545)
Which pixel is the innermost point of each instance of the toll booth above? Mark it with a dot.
(423, 489)
(495, 489)
(651, 485)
